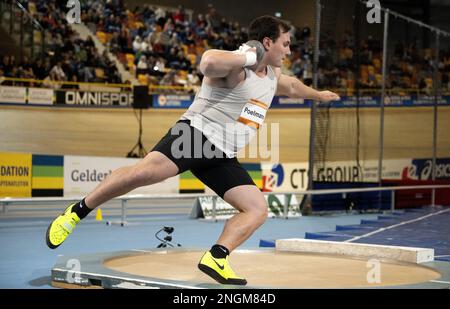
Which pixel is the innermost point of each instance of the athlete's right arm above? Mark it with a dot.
(220, 63)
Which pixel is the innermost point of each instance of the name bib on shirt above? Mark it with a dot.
(253, 113)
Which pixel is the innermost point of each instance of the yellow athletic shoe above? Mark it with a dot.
(61, 227)
(219, 270)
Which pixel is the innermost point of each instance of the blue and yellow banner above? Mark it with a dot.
(48, 176)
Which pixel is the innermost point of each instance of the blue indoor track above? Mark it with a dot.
(26, 261)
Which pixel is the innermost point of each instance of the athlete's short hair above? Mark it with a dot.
(267, 26)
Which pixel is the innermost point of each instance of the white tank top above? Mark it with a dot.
(230, 117)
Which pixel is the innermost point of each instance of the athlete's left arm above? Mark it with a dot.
(294, 88)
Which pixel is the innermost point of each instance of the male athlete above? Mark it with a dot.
(236, 92)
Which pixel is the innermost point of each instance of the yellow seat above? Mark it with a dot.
(185, 48)
(138, 25)
(378, 77)
(101, 36)
(32, 8)
(100, 73)
(377, 63)
(131, 68)
(108, 37)
(143, 79)
(130, 58)
(37, 37)
(192, 58)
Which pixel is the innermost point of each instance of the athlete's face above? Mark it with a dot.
(277, 51)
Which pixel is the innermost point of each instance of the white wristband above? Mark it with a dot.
(250, 59)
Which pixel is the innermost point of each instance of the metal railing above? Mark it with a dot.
(153, 88)
(8, 202)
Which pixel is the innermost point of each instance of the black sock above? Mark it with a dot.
(81, 209)
(219, 252)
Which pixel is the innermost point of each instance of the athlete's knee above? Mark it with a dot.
(260, 212)
(144, 175)
(152, 169)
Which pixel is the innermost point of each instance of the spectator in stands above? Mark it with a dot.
(6, 65)
(366, 55)
(26, 65)
(172, 58)
(169, 79)
(142, 66)
(160, 64)
(174, 41)
(14, 73)
(371, 80)
(125, 41)
(89, 42)
(114, 44)
(213, 18)
(200, 26)
(160, 30)
(39, 69)
(146, 47)
(160, 13)
(179, 16)
(57, 73)
(93, 58)
(85, 73)
(193, 81)
(68, 65)
(307, 71)
(113, 74)
(296, 67)
(214, 39)
(113, 24)
(306, 32)
(137, 43)
(12, 60)
(26, 72)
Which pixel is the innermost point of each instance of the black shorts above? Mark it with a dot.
(219, 173)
